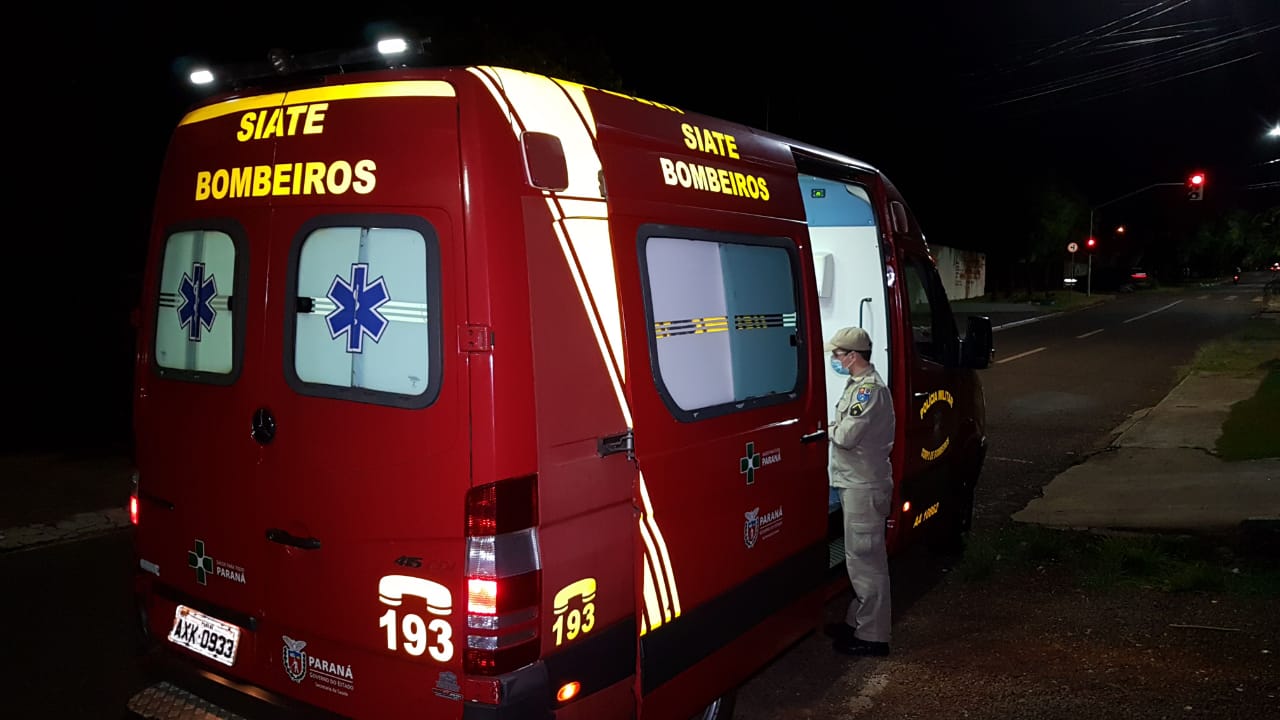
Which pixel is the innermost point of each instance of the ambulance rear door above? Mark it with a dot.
(199, 384)
(364, 479)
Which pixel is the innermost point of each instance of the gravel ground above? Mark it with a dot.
(1035, 643)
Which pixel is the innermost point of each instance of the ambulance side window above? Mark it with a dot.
(723, 331)
(361, 327)
(197, 330)
(932, 325)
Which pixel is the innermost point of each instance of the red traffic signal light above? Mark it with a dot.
(1195, 186)
(1091, 243)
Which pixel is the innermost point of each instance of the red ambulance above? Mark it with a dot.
(472, 393)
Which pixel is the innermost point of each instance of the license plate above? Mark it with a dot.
(202, 634)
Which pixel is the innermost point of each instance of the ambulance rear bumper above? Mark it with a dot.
(180, 691)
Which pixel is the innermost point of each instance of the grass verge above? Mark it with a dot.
(1250, 431)
(1104, 562)
(1245, 351)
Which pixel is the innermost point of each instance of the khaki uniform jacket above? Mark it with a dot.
(862, 436)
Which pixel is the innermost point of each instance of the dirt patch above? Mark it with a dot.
(1058, 639)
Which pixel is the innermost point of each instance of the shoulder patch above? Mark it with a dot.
(856, 409)
(864, 393)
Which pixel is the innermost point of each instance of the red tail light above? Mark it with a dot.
(504, 577)
(133, 500)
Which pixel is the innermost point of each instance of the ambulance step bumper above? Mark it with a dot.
(835, 553)
(164, 701)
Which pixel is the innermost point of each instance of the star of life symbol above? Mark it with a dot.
(202, 563)
(750, 464)
(357, 313)
(196, 310)
(294, 658)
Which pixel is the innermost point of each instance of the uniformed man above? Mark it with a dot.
(861, 440)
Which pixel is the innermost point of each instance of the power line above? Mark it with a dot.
(1143, 65)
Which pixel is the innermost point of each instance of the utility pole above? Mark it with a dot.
(1089, 282)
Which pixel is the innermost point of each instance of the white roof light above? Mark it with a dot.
(201, 77)
(392, 46)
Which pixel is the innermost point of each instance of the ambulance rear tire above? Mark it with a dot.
(720, 709)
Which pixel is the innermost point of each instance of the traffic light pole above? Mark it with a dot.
(1089, 280)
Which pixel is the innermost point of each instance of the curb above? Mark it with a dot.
(76, 527)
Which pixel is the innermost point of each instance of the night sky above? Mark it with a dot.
(963, 105)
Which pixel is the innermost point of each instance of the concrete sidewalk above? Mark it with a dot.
(1159, 472)
(49, 498)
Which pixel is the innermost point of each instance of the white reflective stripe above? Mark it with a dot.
(490, 82)
(614, 368)
(659, 608)
(668, 572)
(578, 96)
(580, 221)
(414, 312)
(652, 617)
(539, 104)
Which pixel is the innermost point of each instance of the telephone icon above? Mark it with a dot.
(571, 623)
(393, 588)
(409, 632)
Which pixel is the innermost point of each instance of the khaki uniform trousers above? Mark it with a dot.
(865, 508)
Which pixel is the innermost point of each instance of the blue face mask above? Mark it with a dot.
(838, 367)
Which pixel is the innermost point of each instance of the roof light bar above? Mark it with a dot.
(387, 52)
(392, 46)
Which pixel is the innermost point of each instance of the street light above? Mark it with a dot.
(1120, 229)
(1275, 131)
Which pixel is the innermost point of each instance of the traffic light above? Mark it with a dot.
(1195, 186)
(1091, 243)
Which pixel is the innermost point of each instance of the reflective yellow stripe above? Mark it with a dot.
(354, 91)
(230, 107)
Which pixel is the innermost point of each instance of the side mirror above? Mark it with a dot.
(976, 348)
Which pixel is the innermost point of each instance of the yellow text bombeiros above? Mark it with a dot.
(299, 178)
(713, 179)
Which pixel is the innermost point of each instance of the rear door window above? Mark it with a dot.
(197, 329)
(365, 289)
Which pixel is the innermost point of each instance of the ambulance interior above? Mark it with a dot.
(849, 273)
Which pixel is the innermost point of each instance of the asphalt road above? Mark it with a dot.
(1058, 387)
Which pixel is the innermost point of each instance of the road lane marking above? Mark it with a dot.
(1153, 312)
(1203, 297)
(1012, 460)
(1256, 298)
(1019, 355)
(1229, 298)
(1095, 332)
(1028, 321)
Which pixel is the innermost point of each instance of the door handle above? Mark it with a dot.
(865, 301)
(277, 535)
(814, 436)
